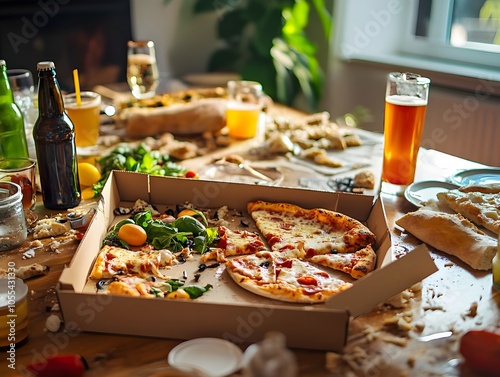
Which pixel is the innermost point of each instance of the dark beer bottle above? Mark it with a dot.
(54, 137)
(12, 135)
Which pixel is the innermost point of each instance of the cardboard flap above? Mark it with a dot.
(383, 284)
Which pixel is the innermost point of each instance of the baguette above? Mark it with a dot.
(197, 117)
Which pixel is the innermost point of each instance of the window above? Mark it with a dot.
(455, 30)
(455, 38)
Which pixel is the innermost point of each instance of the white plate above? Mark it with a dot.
(476, 176)
(210, 79)
(216, 357)
(419, 192)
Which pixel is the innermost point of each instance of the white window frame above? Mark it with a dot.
(436, 44)
(394, 44)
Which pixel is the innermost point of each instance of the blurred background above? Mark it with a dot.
(367, 39)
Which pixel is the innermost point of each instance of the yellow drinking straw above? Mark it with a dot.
(77, 87)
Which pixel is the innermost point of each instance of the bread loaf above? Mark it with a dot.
(204, 115)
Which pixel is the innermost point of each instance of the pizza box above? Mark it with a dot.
(229, 311)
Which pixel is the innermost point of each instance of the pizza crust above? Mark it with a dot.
(452, 234)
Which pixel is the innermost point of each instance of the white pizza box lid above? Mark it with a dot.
(230, 312)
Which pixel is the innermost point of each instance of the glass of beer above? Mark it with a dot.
(244, 108)
(142, 70)
(85, 117)
(405, 106)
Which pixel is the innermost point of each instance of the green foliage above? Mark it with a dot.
(266, 41)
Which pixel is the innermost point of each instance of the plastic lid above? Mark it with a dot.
(2, 62)
(41, 66)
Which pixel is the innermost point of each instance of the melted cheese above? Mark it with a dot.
(284, 231)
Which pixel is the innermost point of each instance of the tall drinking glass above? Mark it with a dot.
(23, 89)
(405, 106)
(142, 70)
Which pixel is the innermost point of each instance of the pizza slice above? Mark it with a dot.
(113, 260)
(270, 275)
(481, 208)
(154, 288)
(234, 242)
(357, 264)
(308, 232)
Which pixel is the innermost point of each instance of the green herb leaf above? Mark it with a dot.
(175, 284)
(195, 291)
(189, 224)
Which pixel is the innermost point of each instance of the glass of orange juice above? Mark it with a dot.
(405, 106)
(243, 109)
(85, 118)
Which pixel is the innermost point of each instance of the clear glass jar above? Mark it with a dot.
(13, 231)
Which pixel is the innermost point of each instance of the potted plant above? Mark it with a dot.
(266, 41)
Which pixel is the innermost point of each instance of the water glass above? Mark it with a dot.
(23, 89)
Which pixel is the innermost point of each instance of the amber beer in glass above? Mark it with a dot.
(405, 107)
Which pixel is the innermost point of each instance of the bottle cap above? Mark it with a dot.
(43, 66)
(2, 63)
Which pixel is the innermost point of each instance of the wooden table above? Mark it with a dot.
(446, 302)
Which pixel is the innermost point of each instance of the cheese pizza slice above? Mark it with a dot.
(113, 260)
(356, 264)
(308, 232)
(270, 275)
(234, 242)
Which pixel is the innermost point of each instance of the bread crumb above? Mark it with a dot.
(333, 360)
(472, 312)
(53, 323)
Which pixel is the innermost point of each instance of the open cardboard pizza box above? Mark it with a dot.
(228, 311)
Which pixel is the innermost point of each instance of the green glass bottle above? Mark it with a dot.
(12, 135)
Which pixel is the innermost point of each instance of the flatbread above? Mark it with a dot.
(452, 234)
(481, 208)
